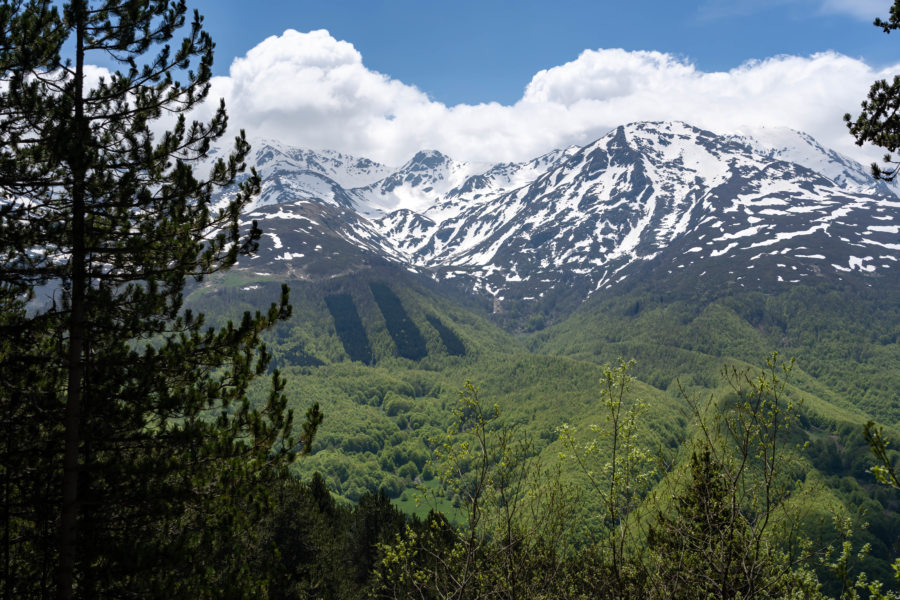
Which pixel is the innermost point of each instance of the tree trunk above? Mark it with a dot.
(68, 527)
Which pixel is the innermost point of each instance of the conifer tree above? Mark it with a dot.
(879, 121)
(698, 543)
(133, 462)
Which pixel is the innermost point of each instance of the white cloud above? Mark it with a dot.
(312, 90)
(93, 75)
(866, 10)
(861, 9)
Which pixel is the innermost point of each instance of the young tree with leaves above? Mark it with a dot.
(133, 412)
(619, 472)
(734, 529)
(514, 514)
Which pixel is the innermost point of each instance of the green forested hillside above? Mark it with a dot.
(846, 341)
(384, 420)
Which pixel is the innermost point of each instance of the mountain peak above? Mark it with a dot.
(666, 197)
(427, 159)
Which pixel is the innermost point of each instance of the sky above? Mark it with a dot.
(505, 80)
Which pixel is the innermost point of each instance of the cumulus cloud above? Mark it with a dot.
(312, 90)
(861, 9)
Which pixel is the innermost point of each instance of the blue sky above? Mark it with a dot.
(470, 51)
(501, 80)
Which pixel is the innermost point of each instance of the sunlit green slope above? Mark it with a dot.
(416, 344)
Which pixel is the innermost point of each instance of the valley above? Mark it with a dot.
(660, 243)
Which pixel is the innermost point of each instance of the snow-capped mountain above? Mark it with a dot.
(322, 176)
(765, 209)
(782, 143)
(416, 186)
(410, 231)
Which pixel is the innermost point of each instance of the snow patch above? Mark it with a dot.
(884, 228)
(727, 248)
(859, 263)
(289, 256)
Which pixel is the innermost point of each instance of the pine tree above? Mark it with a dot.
(133, 462)
(878, 122)
(699, 545)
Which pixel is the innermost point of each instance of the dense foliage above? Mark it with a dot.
(385, 421)
(728, 515)
(349, 328)
(452, 343)
(133, 463)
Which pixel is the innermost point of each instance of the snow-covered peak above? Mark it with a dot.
(645, 192)
(497, 180)
(784, 143)
(682, 146)
(416, 186)
(427, 160)
(344, 169)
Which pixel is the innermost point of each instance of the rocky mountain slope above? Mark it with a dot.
(756, 209)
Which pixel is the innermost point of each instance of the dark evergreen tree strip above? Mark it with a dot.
(349, 327)
(407, 337)
(296, 356)
(451, 341)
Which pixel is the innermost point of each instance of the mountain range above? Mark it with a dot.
(756, 209)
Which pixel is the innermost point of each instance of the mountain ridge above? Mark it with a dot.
(665, 195)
